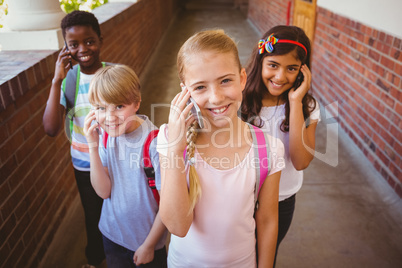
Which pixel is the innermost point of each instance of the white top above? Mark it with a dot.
(222, 233)
(291, 179)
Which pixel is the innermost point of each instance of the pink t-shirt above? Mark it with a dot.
(223, 230)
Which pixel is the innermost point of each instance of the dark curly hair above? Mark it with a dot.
(79, 17)
(255, 89)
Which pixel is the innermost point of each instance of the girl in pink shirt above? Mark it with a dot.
(209, 174)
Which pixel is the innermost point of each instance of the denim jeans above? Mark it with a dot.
(92, 205)
(286, 210)
(121, 257)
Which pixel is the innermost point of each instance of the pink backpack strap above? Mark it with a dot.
(261, 148)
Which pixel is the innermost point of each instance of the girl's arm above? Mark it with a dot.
(99, 174)
(301, 139)
(266, 218)
(145, 253)
(174, 199)
(175, 204)
(53, 116)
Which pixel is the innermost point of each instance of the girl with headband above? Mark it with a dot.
(276, 98)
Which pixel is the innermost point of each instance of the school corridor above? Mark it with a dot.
(345, 217)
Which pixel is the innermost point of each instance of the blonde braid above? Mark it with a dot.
(195, 187)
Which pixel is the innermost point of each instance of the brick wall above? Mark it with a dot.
(266, 14)
(37, 184)
(360, 68)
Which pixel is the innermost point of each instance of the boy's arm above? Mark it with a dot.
(145, 253)
(54, 111)
(100, 179)
(99, 175)
(267, 220)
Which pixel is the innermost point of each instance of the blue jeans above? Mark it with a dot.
(92, 205)
(286, 210)
(121, 257)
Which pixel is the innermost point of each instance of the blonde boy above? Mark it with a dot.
(132, 231)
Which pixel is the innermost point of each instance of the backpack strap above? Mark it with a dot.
(148, 168)
(261, 148)
(70, 87)
(104, 138)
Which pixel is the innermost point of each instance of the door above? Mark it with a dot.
(304, 15)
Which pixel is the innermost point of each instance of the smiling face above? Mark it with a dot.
(84, 45)
(114, 93)
(117, 119)
(279, 73)
(216, 84)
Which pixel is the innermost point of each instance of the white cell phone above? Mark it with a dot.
(195, 110)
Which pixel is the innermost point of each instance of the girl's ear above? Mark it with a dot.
(182, 86)
(243, 78)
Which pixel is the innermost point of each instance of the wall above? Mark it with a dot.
(359, 67)
(37, 184)
(382, 15)
(266, 14)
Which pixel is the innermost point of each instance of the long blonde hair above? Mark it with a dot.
(209, 40)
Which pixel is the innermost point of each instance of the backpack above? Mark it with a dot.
(148, 168)
(70, 87)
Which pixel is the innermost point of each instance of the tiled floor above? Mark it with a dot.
(346, 214)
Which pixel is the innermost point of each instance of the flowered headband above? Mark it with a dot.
(268, 44)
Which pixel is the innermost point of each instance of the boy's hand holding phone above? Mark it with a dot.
(63, 64)
(91, 130)
(69, 59)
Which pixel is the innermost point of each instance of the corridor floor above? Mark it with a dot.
(346, 214)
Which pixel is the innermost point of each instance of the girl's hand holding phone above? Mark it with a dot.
(179, 121)
(91, 131)
(297, 94)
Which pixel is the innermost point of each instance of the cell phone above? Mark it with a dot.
(71, 64)
(94, 122)
(299, 80)
(195, 110)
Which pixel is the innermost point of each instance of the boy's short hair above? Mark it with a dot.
(79, 17)
(116, 84)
